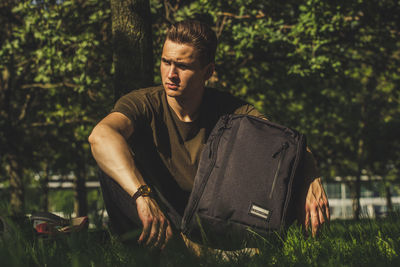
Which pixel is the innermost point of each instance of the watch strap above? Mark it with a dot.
(142, 191)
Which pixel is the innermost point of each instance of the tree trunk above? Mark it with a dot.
(356, 197)
(80, 192)
(389, 203)
(132, 45)
(44, 187)
(16, 185)
(13, 166)
(357, 185)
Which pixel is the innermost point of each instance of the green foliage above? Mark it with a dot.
(62, 200)
(55, 61)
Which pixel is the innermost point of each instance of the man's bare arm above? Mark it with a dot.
(111, 152)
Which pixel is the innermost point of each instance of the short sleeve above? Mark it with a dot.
(133, 105)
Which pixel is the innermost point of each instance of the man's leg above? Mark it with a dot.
(123, 214)
(121, 208)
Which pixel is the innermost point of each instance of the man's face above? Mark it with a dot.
(181, 71)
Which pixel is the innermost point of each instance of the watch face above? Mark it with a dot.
(145, 190)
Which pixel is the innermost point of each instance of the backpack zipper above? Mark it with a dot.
(213, 147)
(218, 135)
(282, 152)
(300, 142)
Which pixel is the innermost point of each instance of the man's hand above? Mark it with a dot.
(316, 206)
(156, 227)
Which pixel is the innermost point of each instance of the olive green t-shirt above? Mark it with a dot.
(166, 149)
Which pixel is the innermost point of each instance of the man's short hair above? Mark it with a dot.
(197, 34)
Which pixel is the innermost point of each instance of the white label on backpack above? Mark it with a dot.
(259, 212)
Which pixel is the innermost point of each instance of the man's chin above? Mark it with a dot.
(172, 92)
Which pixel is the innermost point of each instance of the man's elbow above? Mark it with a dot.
(95, 135)
(91, 138)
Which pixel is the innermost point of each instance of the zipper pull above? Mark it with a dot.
(282, 148)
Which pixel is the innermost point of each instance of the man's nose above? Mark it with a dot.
(172, 73)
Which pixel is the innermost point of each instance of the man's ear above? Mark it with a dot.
(209, 71)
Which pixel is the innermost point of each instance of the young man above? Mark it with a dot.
(154, 136)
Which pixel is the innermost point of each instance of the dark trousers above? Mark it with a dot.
(124, 217)
(121, 208)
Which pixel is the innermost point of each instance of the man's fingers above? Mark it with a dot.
(307, 221)
(316, 207)
(323, 211)
(320, 210)
(168, 235)
(321, 217)
(145, 232)
(156, 228)
(155, 225)
(161, 233)
(327, 212)
(314, 222)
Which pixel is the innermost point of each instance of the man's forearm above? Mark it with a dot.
(112, 154)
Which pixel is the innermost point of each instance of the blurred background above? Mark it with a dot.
(330, 69)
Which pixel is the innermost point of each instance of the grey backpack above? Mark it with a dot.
(245, 183)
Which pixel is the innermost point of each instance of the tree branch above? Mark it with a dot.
(52, 123)
(25, 107)
(48, 85)
(220, 26)
(228, 14)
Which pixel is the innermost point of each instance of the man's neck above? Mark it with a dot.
(186, 109)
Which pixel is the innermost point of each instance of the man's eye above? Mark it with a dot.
(166, 62)
(183, 67)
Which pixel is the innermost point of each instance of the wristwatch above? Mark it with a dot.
(143, 191)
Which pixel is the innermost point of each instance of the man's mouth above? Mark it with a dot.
(172, 86)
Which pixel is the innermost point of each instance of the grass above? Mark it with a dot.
(345, 243)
